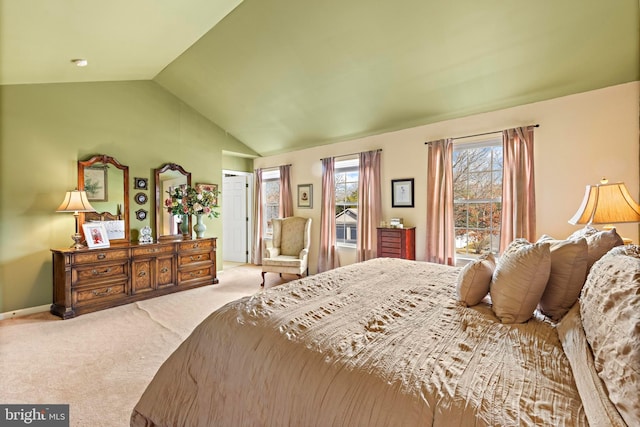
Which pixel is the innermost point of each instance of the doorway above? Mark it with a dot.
(236, 216)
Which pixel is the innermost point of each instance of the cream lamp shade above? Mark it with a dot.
(607, 204)
(76, 201)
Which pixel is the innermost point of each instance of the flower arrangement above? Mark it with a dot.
(184, 200)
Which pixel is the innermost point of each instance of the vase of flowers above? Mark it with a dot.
(186, 201)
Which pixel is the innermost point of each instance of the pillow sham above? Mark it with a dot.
(611, 320)
(519, 280)
(595, 400)
(474, 280)
(567, 275)
(598, 242)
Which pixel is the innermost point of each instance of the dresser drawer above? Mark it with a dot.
(205, 244)
(140, 251)
(91, 274)
(194, 257)
(99, 294)
(198, 274)
(100, 256)
(391, 236)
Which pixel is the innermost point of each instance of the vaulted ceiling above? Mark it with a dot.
(287, 74)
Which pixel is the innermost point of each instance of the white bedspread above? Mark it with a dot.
(380, 343)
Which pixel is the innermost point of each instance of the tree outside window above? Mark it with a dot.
(477, 188)
(271, 197)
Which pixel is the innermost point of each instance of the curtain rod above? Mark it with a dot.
(482, 134)
(274, 167)
(352, 154)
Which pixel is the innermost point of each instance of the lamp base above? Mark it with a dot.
(77, 238)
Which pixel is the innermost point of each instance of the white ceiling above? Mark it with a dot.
(121, 39)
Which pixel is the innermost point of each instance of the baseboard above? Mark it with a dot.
(24, 311)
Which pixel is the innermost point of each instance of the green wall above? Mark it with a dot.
(45, 129)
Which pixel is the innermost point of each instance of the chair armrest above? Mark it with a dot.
(303, 253)
(272, 252)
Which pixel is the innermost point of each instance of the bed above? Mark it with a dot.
(385, 342)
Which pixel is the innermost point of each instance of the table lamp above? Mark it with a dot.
(607, 204)
(76, 201)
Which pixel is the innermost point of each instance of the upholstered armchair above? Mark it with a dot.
(289, 248)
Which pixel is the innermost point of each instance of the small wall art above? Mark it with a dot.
(305, 196)
(402, 193)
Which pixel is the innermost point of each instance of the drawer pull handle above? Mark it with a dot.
(196, 258)
(196, 245)
(105, 271)
(142, 273)
(195, 273)
(102, 256)
(164, 270)
(153, 250)
(101, 294)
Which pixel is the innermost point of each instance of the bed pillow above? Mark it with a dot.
(567, 275)
(598, 242)
(611, 320)
(595, 400)
(474, 280)
(582, 233)
(519, 280)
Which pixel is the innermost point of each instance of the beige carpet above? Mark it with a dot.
(100, 363)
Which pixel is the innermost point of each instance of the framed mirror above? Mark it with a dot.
(106, 182)
(168, 177)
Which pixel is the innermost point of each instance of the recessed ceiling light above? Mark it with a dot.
(80, 62)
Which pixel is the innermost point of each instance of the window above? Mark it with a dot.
(271, 197)
(346, 180)
(477, 193)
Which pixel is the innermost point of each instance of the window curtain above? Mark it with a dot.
(286, 195)
(369, 205)
(258, 215)
(440, 226)
(328, 256)
(518, 186)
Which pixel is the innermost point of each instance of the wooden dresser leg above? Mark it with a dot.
(262, 284)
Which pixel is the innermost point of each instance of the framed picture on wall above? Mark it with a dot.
(305, 196)
(95, 183)
(96, 235)
(402, 193)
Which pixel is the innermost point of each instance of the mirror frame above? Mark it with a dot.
(160, 199)
(103, 158)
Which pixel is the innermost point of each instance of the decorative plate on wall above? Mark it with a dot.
(141, 198)
(141, 214)
(141, 183)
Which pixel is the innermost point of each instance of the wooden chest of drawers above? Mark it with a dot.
(397, 243)
(87, 280)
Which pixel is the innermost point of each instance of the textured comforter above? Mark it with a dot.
(379, 343)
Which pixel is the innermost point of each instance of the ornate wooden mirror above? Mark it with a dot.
(168, 177)
(106, 182)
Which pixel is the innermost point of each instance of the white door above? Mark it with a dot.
(234, 217)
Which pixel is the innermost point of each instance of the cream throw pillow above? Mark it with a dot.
(474, 280)
(519, 280)
(567, 276)
(598, 242)
(609, 307)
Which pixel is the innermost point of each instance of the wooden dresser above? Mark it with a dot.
(86, 280)
(397, 243)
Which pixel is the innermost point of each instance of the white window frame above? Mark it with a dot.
(495, 141)
(268, 176)
(341, 166)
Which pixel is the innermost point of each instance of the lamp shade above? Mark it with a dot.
(607, 204)
(75, 201)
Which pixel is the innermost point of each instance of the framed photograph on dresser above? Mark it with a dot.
(96, 235)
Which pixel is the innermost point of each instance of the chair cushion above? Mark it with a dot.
(282, 261)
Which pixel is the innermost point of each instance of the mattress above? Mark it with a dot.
(378, 343)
